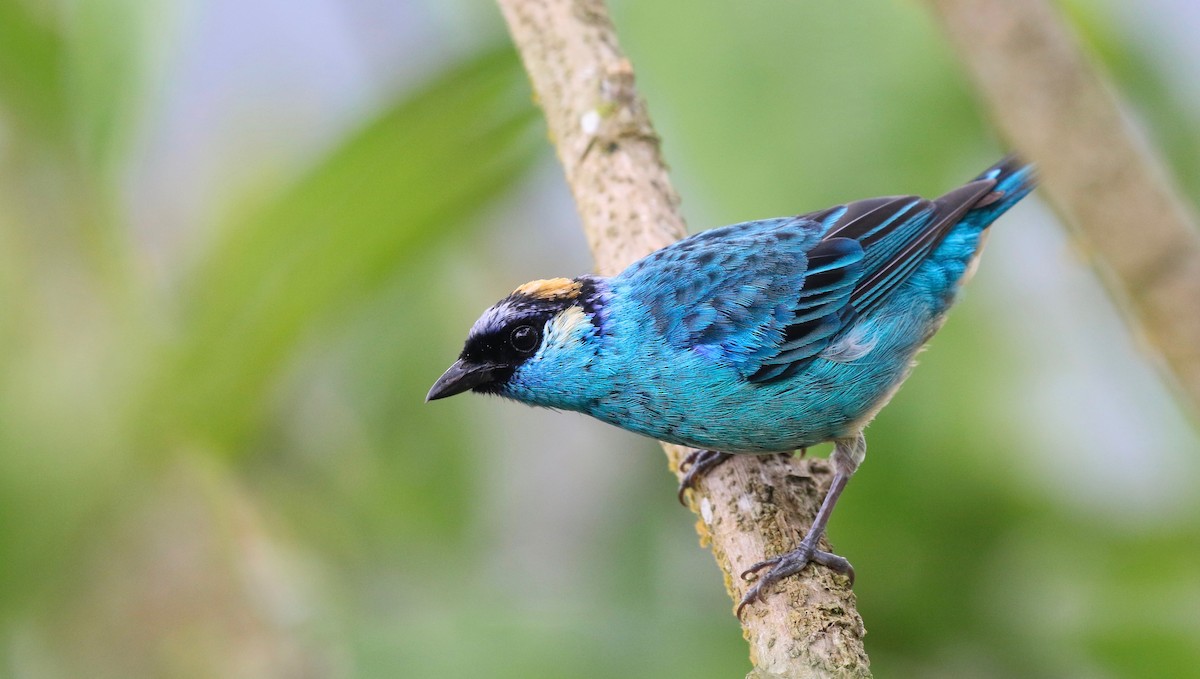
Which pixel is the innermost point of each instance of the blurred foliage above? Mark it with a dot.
(428, 163)
(224, 467)
(31, 70)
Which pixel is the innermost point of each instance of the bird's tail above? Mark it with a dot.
(1013, 179)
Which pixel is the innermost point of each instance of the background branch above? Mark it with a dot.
(1111, 190)
(750, 507)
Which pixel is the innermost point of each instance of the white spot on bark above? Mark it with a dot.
(706, 512)
(590, 122)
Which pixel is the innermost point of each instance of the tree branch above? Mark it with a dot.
(750, 507)
(1111, 190)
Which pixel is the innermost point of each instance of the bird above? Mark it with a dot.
(761, 337)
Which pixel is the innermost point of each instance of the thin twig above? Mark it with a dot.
(750, 507)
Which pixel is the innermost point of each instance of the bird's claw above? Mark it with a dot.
(788, 564)
(695, 466)
(690, 459)
(752, 572)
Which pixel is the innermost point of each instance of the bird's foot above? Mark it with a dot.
(788, 564)
(695, 466)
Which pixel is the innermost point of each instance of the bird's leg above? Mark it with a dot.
(696, 465)
(847, 454)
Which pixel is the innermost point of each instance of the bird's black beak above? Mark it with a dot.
(461, 377)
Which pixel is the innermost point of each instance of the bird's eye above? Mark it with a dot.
(523, 338)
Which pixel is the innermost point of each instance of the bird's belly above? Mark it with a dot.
(826, 401)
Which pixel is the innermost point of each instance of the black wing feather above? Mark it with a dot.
(944, 213)
(895, 235)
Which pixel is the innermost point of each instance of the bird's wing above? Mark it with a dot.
(897, 234)
(770, 296)
(894, 235)
(739, 293)
(818, 315)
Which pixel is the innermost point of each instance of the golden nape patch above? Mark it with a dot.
(554, 288)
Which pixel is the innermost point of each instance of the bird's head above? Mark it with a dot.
(537, 345)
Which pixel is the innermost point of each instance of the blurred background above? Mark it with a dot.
(239, 240)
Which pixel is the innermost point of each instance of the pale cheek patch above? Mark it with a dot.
(566, 326)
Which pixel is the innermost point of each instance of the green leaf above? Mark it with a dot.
(416, 172)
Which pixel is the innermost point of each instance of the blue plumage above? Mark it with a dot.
(759, 337)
